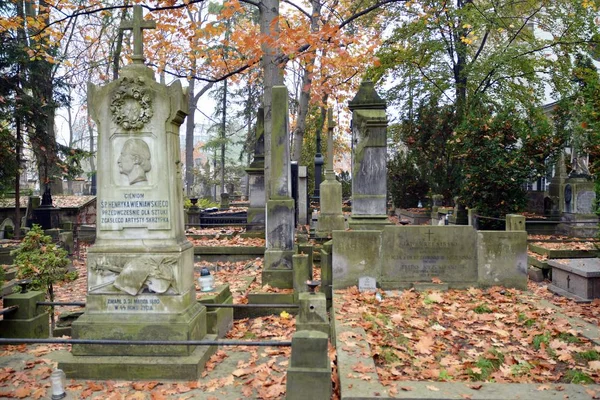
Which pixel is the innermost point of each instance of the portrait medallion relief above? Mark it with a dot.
(134, 161)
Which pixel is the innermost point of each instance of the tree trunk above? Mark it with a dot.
(189, 140)
(223, 135)
(305, 91)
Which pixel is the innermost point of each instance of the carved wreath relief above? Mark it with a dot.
(131, 104)
(136, 275)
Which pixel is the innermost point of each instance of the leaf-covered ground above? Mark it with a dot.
(498, 335)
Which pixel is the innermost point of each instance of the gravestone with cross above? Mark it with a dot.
(140, 269)
(331, 217)
(401, 257)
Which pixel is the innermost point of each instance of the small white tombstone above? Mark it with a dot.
(367, 284)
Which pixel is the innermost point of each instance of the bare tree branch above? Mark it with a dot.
(297, 7)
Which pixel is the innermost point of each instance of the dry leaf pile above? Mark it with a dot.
(468, 335)
(235, 241)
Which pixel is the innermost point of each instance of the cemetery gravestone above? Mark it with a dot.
(420, 253)
(256, 178)
(280, 227)
(140, 270)
(331, 217)
(401, 257)
(369, 168)
(302, 195)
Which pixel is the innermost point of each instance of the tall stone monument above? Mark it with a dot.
(256, 177)
(331, 217)
(140, 270)
(579, 200)
(369, 165)
(277, 271)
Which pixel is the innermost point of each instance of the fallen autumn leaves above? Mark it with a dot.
(468, 335)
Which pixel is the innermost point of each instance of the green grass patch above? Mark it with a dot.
(590, 355)
(539, 339)
(521, 369)
(482, 309)
(388, 355)
(249, 335)
(445, 376)
(486, 365)
(568, 337)
(528, 322)
(575, 376)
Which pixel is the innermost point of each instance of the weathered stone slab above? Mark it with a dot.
(420, 253)
(355, 254)
(578, 279)
(502, 258)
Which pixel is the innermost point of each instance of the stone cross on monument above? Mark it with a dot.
(136, 25)
(331, 217)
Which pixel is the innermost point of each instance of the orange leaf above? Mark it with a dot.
(424, 345)
(22, 392)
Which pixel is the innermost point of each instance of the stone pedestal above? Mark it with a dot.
(369, 168)
(309, 374)
(29, 320)
(312, 315)
(277, 270)
(218, 320)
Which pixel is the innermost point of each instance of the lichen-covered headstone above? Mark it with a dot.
(140, 269)
(369, 166)
(279, 232)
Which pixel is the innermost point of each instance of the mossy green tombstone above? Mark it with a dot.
(280, 227)
(369, 167)
(140, 270)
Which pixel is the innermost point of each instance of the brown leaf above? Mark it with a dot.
(433, 388)
(475, 387)
(406, 388)
(362, 368)
(595, 365)
(22, 392)
(423, 346)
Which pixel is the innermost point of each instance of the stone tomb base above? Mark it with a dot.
(277, 271)
(188, 368)
(578, 279)
(368, 222)
(131, 362)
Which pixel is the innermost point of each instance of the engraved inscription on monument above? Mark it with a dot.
(585, 202)
(418, 254)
